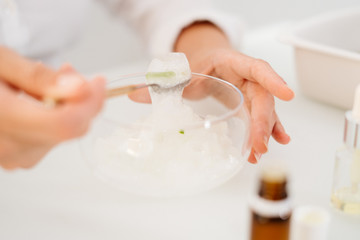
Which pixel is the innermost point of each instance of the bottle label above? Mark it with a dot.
(269, 208)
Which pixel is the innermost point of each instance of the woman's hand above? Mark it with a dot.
(209, 52)
(29, 128)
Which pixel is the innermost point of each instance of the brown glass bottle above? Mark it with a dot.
(270, 209)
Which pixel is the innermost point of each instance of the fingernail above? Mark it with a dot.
(292, 92)
(67, 85)
(289, 138)
(257, 156)
(69, 81)
(284, 81)
(265, 141)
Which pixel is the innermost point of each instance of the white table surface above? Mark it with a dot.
(61, 199)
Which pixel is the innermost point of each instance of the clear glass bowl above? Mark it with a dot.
(129, 153)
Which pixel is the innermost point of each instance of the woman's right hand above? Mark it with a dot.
(29, 128)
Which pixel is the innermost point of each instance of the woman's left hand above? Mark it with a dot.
(209, 52)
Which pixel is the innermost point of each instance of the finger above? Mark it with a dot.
(260, 71)
(199, 88)
(279, 133)
(21, 155)
(36, 78)
(141, 95)
(68, 84)
(18, 71)
(252, 159)
(262, 118)
(75, 117)
(30, 121)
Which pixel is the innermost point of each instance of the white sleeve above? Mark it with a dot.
(159, 22)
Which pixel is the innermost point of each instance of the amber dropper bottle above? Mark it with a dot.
(271, 208)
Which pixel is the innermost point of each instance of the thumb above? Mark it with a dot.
(67, 84)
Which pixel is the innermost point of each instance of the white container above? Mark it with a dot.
(310, 223)
(327, 56)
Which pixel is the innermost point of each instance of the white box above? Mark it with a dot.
(327, 56)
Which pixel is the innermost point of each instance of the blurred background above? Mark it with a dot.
(120, 45)
(61, 199)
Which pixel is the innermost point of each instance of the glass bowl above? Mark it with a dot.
(126, 150)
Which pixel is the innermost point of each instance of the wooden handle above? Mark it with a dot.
(51, 102)
(123, 90)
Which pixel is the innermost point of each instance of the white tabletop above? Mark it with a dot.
(61, 199)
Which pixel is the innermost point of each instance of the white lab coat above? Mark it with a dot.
(40, 28)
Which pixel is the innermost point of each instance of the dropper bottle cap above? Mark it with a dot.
(352, 123)
(310, 222)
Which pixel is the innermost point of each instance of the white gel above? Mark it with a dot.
(175, 63)
(164, 158)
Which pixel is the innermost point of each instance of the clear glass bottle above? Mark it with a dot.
(271, 208)
(346, 182)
